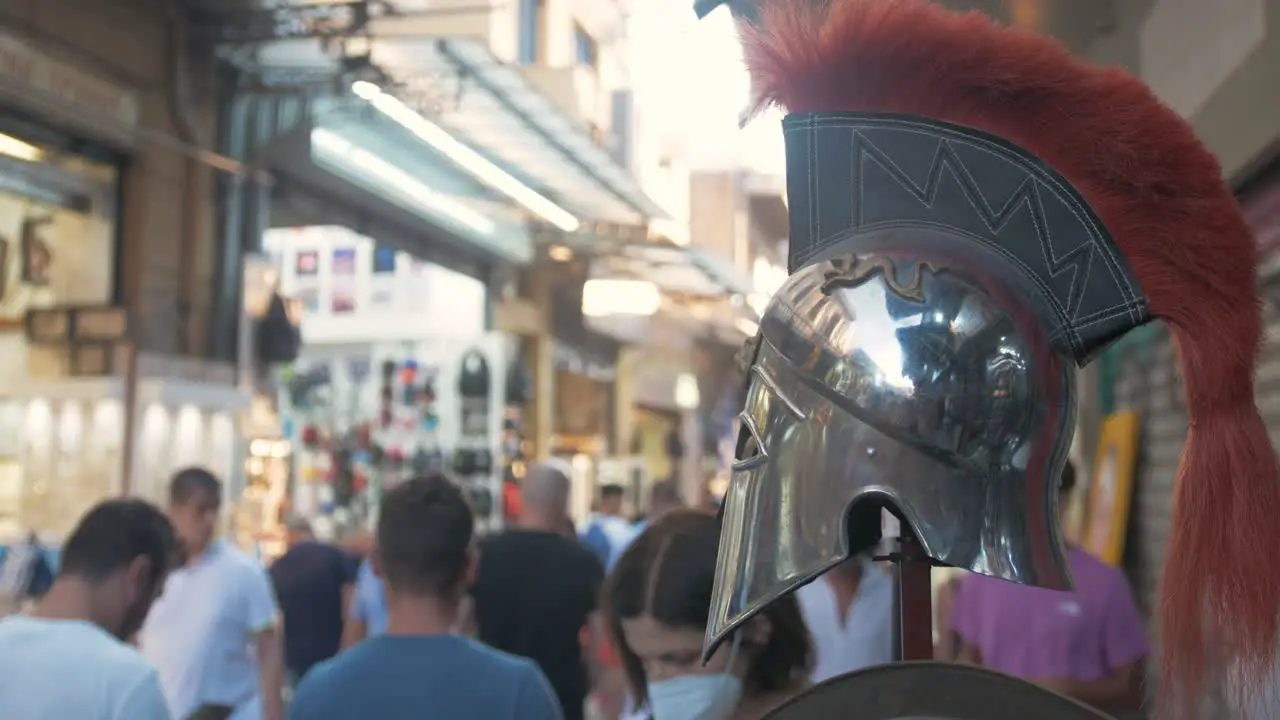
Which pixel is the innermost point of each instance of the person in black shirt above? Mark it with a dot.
(313, 583)
(537, 589)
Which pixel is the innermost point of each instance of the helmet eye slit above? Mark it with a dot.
(748, 446)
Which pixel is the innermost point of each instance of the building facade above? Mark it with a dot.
(107, 124)
(128, 81)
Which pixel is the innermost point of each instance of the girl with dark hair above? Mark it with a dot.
(658, 598)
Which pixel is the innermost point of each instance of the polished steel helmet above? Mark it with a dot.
(920, 358)
(949, 270)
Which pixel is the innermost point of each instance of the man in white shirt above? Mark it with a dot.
(68, 659)
(849, 611)
(212, 634)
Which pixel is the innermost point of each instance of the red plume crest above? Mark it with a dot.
(1159, 192)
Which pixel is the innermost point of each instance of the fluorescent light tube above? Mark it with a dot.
(469, 160)
(400, 182)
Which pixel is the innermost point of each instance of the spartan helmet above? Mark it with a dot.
(997, 209)
(920, 358)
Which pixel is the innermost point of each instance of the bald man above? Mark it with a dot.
(537, 589)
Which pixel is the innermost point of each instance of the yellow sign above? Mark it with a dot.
(1111, 488)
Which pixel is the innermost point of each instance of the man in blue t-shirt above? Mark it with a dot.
(664, 497)
(608, 530)
(418, 668)
(367, 613)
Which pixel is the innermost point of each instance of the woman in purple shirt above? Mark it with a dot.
(1089, 644)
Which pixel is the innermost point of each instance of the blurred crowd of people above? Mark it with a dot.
(151, 616)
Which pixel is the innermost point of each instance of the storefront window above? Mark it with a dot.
(56, 233)
(378, 392)
(62, 437)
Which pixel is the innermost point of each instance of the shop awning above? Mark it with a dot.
(364, 172)
(699, 288)
(499, 113)
(676, 270)
(374, 153)
(431, 70)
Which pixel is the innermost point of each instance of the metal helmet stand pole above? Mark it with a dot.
(913, 597)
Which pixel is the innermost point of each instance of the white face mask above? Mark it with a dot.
(698, 697)
(695, 697)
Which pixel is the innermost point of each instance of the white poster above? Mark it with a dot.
(418, 286)
(344, 287)
(50, 256)
(384, 291)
